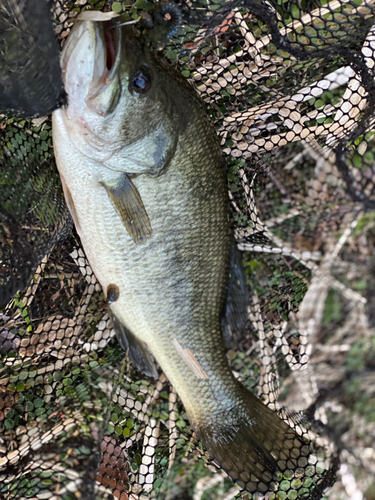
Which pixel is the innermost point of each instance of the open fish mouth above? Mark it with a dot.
(104, 92)
(111, 37)
(90, 62)
(108, 41)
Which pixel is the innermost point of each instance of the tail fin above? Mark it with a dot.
(252, 444)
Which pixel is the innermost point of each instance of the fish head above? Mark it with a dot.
(115, 90)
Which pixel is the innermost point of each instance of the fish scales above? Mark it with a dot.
(144, 179)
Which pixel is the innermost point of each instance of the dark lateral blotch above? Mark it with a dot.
(113, 293)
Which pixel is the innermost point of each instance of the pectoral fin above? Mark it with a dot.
(138, 351)
(129, 205)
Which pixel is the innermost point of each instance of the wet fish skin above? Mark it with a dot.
(112, 144)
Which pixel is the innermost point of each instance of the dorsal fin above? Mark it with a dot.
(234, 319)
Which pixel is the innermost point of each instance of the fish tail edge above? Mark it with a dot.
(253, 444)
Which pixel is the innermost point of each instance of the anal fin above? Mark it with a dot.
(128, 204)
(139, 353)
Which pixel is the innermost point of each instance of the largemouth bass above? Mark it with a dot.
(144, 179)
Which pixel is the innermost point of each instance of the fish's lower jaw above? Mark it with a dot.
(253, 445)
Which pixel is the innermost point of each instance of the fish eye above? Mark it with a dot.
(141, 83)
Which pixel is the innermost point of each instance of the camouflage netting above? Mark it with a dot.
(290, 87)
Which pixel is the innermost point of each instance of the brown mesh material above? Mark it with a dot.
(290, 88)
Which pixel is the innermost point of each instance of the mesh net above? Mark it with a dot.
(290, 88)
(30, 78)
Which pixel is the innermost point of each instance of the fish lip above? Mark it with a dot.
(69, 46)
